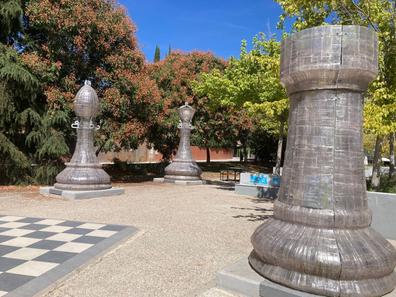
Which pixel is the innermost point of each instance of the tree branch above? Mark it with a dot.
(361, 11)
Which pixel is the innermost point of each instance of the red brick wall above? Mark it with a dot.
(199, 154)
(144, 155)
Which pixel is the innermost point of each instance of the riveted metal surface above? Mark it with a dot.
(183, 167)
(319, 239)
(86, 104)
(84, 173)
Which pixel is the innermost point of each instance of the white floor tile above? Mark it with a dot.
(101, 233)
(17, 232)
(13, 225)
(64, 237)
(91, 226)
(33, 268)
(11, 218)
(49, 222)
(26, 253)
(20, 241)
(57, 229)
(73, 247)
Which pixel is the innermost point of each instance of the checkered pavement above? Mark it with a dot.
(33, 247)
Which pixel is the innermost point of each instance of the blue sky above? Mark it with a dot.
(217, 26)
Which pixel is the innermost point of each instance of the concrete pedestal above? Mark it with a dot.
(179, 182)
(242, 279)
(383, 206)
(47, 191)
(257, 191)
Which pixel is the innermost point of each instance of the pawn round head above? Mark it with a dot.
(186, 113)
(86, 103)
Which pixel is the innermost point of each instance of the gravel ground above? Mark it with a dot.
(186, 235)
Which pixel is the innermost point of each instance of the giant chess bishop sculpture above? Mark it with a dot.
(84, 172)
(184, 168)
(319, 239)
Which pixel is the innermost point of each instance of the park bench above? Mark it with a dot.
(233, 172)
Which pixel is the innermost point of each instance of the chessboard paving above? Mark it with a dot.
(33, 248)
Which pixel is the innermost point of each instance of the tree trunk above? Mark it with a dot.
(245, 155)
(279, 152)
(391, 154)
(376, 175)
(99, 149)
(207, 155)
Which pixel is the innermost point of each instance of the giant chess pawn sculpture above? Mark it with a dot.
(319, 239)
(184, 168)
(84, 172)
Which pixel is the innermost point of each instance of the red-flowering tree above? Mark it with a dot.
(69, 41)
(221, 127)
(174, 76)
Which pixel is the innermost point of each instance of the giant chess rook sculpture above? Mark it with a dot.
(84, 173)
(319, 239)
(183, 167)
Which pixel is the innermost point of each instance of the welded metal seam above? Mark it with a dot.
(333, 185)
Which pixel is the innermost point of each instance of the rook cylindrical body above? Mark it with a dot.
(319, 239)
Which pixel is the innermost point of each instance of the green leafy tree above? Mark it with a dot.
(391, 154)
(252, 82)
(157, 54)
(380, 15)
(210, 129)
(218, 128)
(262, 143)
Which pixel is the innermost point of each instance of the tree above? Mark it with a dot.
(174, 76)
(263, 144)
(380, 108)
(18, 102)
(210, 129)
(379, 115)
(391, 154)
(157, 54)
(67, 42)
(252, 82)
(10, 20)
(219, 127)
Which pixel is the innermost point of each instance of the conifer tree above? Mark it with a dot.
(17, 99)
(10, 19)
(157, 54)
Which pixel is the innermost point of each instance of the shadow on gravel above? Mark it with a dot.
(260, 214)
(222, 185)
(226, 188)
(259, 200)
